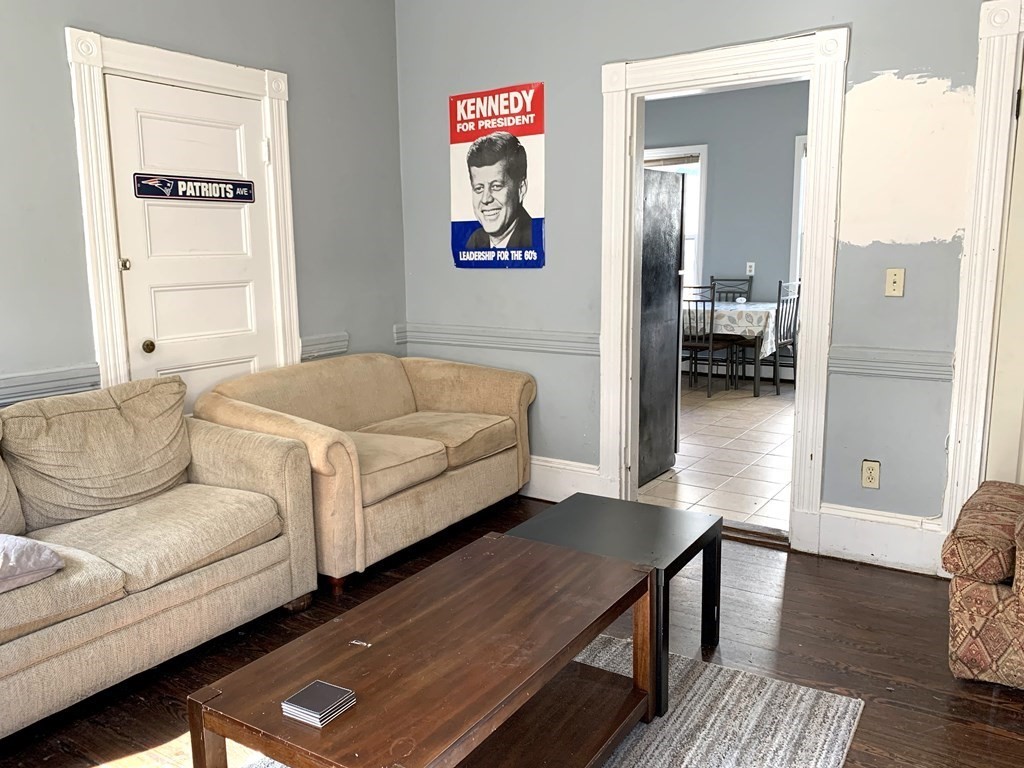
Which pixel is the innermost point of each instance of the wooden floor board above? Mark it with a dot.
(843, 627)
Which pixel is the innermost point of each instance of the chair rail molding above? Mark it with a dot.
(15, 387)
(819, 57)
(324, 345)
(877, 362)
(91, 57)
(487, 337)
(1000, 32)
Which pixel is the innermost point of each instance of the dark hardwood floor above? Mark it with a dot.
(853, 629)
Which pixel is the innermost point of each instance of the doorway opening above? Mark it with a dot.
(818, 58)
(732, 452)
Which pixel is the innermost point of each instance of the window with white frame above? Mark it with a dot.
(799, 185)
(691, 162)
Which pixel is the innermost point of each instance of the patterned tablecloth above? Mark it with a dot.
(749, 319)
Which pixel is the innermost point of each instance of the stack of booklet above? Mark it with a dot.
(318, 703)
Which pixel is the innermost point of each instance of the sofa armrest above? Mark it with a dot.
(265, 464)
(337, 490)
(442, 385)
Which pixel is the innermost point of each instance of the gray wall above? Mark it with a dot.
(343, 123)
(564, 44)
(750, 136)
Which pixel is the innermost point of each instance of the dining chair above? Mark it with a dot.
(787, 311)
(787, 326)
(697, 332)
(732, 288)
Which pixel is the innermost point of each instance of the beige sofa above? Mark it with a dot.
(400, 447)
(171, 530)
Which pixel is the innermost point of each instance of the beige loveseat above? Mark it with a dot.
(171, 530)
(400, 447)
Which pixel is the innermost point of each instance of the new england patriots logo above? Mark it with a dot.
(164, 185)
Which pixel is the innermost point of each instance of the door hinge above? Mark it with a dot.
(266, 151)
(1016, 112)
(124, 264)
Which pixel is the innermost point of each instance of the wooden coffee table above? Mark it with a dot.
(468, 662)
(662, 537)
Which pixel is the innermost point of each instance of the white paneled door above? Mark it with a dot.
(197, 275)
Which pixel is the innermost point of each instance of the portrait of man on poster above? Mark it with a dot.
(497, 175)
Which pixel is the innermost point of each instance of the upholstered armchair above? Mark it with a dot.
(986, 595)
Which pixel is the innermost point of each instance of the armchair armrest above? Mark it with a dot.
(442, 385)
(265, 464)
(981, 546)
(1018, 576)
(337, 490)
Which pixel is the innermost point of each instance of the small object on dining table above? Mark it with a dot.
(741, 299)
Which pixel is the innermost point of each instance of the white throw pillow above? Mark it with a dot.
(24, 561)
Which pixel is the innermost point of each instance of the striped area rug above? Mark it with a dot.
(725, 718)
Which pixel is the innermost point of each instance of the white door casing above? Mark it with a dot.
(818, 57)
(199, 283)
(92, 58)
(1000, 43)
(1004, 456)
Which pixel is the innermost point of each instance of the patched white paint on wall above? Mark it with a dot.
(907, 147)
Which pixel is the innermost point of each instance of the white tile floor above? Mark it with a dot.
(735, 457)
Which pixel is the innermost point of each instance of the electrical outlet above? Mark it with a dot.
(894, 282)
(869, 472)
(750, 268)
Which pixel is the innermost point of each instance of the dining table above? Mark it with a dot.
(753, 320)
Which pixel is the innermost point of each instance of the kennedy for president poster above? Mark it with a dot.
(497, 173)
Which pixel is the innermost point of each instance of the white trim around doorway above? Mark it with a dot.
(91, 57)
(1001, 36)
(820, 58)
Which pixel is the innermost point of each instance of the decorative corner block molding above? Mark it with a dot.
(325, 345)
(518, 339)
(926, 365)
(277, 85)
(56, 381)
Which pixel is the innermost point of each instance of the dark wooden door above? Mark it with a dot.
(662, 258)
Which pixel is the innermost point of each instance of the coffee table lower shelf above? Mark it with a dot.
(574, 721)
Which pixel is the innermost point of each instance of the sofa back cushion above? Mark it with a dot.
(74, 456)
(12, 521)
(346, 392)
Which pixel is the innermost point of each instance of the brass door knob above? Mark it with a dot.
(148, 346)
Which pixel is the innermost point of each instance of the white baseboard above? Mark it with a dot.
(557, 479)
(881, 538)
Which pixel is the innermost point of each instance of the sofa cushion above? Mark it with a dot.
(74, 456)
(12, 521)
(466, 437)
(981, 545)
(345, 392)
(174, 533)
(389, 464)
(24, 561)
(84, 583)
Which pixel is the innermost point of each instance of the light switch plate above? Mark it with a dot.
(894, 281)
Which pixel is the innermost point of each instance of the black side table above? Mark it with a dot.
(663, 538)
